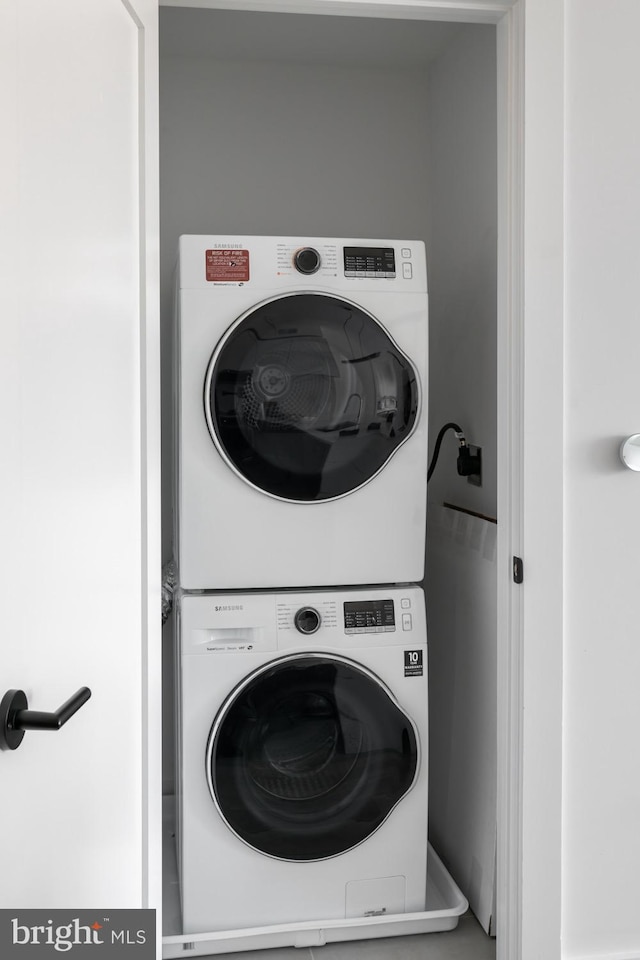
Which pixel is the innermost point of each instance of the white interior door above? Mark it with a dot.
(601, 785)
(79, 563)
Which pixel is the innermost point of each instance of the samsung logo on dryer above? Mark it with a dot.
(224, 607)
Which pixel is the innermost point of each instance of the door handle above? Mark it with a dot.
(15, 716)
(630, 452)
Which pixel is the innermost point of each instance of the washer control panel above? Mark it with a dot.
(369, 616)
(349, 619)
(295, 615)
(307, 620)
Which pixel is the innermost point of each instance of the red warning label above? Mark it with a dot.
(227, 266)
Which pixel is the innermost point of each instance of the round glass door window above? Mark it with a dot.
(309, 756)
(307, 397)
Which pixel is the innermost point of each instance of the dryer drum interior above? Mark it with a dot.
(308, 397)
(308, 758)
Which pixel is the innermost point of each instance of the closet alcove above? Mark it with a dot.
(313, 125)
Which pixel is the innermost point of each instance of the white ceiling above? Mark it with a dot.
(297, 38)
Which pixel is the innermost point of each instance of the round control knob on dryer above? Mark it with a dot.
(307, 260)
(307, 620)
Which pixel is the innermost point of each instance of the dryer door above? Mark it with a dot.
(308, 757)
(307, 397)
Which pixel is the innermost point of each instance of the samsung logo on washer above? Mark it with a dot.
(225, 607)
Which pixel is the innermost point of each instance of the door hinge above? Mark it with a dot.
(518, 570)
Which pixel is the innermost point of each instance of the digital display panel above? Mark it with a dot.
(369, 262)
(369, 616)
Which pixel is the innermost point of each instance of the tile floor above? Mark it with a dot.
(467, 941)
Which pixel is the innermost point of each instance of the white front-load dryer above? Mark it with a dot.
(302, 756)
(301, 421)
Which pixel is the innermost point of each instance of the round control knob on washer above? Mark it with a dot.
(307, 620)
(307, 260)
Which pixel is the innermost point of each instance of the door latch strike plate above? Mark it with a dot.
(518, 571)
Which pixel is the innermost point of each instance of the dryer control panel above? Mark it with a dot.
(370, 262)
(231, 264)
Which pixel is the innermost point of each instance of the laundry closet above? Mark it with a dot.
(319, 126)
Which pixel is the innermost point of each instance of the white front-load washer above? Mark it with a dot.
(302, 756)
(301, 421)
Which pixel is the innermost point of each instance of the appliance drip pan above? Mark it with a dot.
(445, 905)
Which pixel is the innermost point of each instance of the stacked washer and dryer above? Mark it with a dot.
(301, 653)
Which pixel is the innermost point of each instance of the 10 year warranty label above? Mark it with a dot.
(413, 666)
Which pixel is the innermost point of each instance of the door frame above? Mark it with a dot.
(530, 57)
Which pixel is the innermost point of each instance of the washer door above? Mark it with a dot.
(308, 757)
(307, 397)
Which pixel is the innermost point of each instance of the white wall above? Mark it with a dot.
(461, 244)
(601, 805)
(461, 564)
(461, 578)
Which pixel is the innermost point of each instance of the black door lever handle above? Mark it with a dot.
(15, 716)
